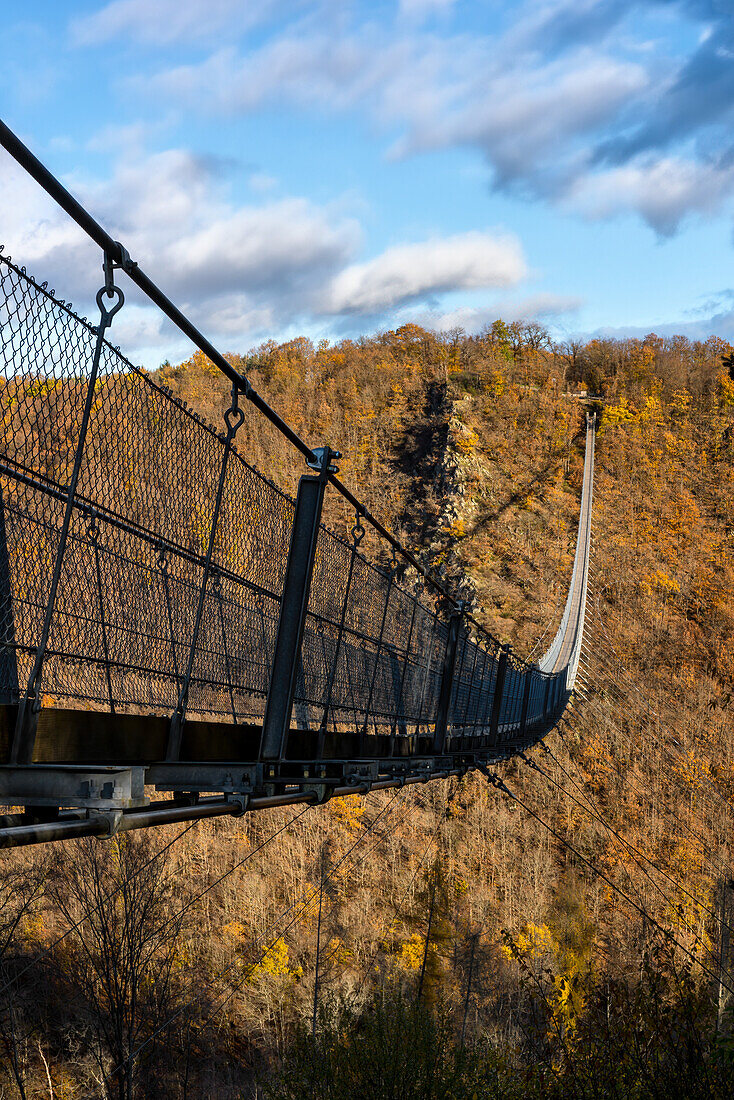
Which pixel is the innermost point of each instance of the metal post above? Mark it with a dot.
(162, 563)
(8, 658)
(475, 716)
(546, 696)
(378, 651)
(398, 725)
(488, 698)
(399, 717)
(447, 680)
(302, 715)
(525, 701)
(357, 536)
(499, 688)
(467, 724)
(458, 719)
(293, 608)
(425, 682)
(217, 586)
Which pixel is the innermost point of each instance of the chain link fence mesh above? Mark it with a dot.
(123, 621)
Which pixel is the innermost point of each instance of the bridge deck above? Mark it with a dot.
(169, 616)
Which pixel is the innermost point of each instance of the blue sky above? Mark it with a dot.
(333, 168)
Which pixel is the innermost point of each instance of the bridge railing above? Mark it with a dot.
(147, 568)
(172, 573)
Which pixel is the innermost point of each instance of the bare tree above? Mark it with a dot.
(21, 888)
(124, 955)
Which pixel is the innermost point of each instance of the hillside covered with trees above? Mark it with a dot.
(557, 935)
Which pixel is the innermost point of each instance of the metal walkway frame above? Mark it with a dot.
(170, 618)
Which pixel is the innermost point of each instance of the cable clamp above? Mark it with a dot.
(528, 761)
(244, 385)
(111, 818)
(493, 778)
(126, 264)
(239, 799)
(497, 782)
(322, 460)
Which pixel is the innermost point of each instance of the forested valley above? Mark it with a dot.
(568, 938)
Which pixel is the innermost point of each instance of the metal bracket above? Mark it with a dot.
(363, 771)
(322, 791)
(113, 819)
(242, 799)
(322, 461)
(104, 788)
(126, 264)
(228, 779)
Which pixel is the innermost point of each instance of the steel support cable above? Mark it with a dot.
(610, 711)
(634, 852)
(129, 879)
(107, 898)
(387, 810)
(409, 811)
(629, 779)
(449, 798)
(497, 782)
(666, 746)
(716, 866)
(304, 908)
(231, 870)
(710, 783)
(365, 855)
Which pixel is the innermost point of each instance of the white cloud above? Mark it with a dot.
(236, 269)
(240, 271)
(544, 101)
(472, 319)
(523, 123)
(406, 272)
(663, 189)
(157, 22)
(525, 115)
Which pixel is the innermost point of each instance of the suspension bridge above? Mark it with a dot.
(172, 620)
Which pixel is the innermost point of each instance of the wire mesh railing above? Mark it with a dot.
(147, 568)
(172, 572)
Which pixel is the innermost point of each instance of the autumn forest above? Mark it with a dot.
(563, 934)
